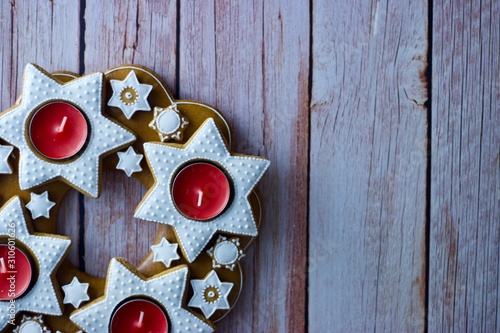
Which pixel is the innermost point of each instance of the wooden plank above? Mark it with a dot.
(22, 42)
(465, 190)
(117, 33)
(251, 61)
(57, 48)
(368, 167)
(68, 223)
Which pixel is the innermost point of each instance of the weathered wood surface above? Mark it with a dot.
(368, 167)
(465, 189)
(118, 33)
(257, 76)
(334, 93)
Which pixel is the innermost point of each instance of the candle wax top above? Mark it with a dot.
(201, 191)
(58, 130)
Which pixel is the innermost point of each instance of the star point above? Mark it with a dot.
(5, 152)
(129, 161)
(40, 205)
(75, 293)
(130, 95)
(165, 252)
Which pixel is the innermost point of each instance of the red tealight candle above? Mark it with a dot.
(139, 316)
(15, 272)
(58, 130)
(201, 191)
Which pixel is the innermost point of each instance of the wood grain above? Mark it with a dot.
(118, 33)
(251, 61)
(368, 167)
(465, 190)
(21, 42)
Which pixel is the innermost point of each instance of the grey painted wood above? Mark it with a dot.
(465, 189)
(368, 167)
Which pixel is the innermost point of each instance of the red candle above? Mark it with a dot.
(15, 272)
(58, 130)
(201, 191)
(139, 316)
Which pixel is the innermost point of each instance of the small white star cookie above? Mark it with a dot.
(47, 250)
(75, 293)
(5, 152)
(129, 95)
(226, 253)
(40, 205)
(165, 252)
(122, 283)
(129, 161)
(169, 123)
(207, 144)
(210, 294)
(84, 93)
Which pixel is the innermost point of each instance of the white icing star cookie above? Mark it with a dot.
(169, 123)
(167, 289)
(129, 161)
(226, 253)
(5, 152)
(48, 251)
(129, 95)
(75, 293)
(165, 252)
(105, 135)
(33, 324)
(210, 294)
(207, 144)
(40, 205)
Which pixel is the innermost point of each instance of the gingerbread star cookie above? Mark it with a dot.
(165, 252)
(40, 205)
(206, 145)
(130, 95)
(129, 161)
(166, 289)
(210, 294)
(71, 112)
(75, 292)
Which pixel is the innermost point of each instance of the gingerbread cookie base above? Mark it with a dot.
(196, 257)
